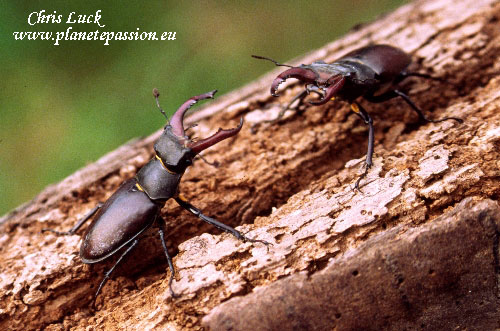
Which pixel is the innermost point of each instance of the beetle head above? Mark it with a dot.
(174, 147)
(329, 78)
(319, 74)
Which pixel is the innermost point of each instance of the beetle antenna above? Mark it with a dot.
(273, 61)
(156, 94)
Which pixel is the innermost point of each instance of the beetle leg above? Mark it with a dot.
(214, 164)
(161, 231)
(315, 89)
(77, 225)
(361, 112)
(283, 110)
(420, 113)
(221, 226)
(110, 271)
(396, 93)
(301, 96)
(405, 74)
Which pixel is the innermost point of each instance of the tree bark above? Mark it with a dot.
(416, 248)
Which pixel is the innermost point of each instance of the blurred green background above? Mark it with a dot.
(64, 106)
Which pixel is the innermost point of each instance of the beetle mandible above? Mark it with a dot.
(137, 203)
(369, 72)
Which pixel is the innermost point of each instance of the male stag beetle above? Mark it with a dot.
(367, 72)
(136, 205)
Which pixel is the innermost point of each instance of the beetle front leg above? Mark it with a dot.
(301, 96)
(221, 226)
(161, 231)
(361, 112)
(77, 225)
(214, 164)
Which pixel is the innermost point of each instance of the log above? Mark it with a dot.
(417, 248)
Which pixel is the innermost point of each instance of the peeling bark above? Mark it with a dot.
(402, 278)
(417, 248)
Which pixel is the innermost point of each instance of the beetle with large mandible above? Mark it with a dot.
(136, 205)
(369, 72)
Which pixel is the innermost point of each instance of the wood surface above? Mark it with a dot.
(416, 249)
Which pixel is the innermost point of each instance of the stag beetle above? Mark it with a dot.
(367, 72)
(137, 203)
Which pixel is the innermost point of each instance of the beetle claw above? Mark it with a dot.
(177, 119)
(246, 239)
(363, 175)
(267, 243)
(302, 74)
(275, 85)
(172, 293)
(220, 135)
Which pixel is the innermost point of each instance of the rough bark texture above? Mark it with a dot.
(416, 249)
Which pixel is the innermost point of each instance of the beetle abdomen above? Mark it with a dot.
(387, 61)
(125, 215)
